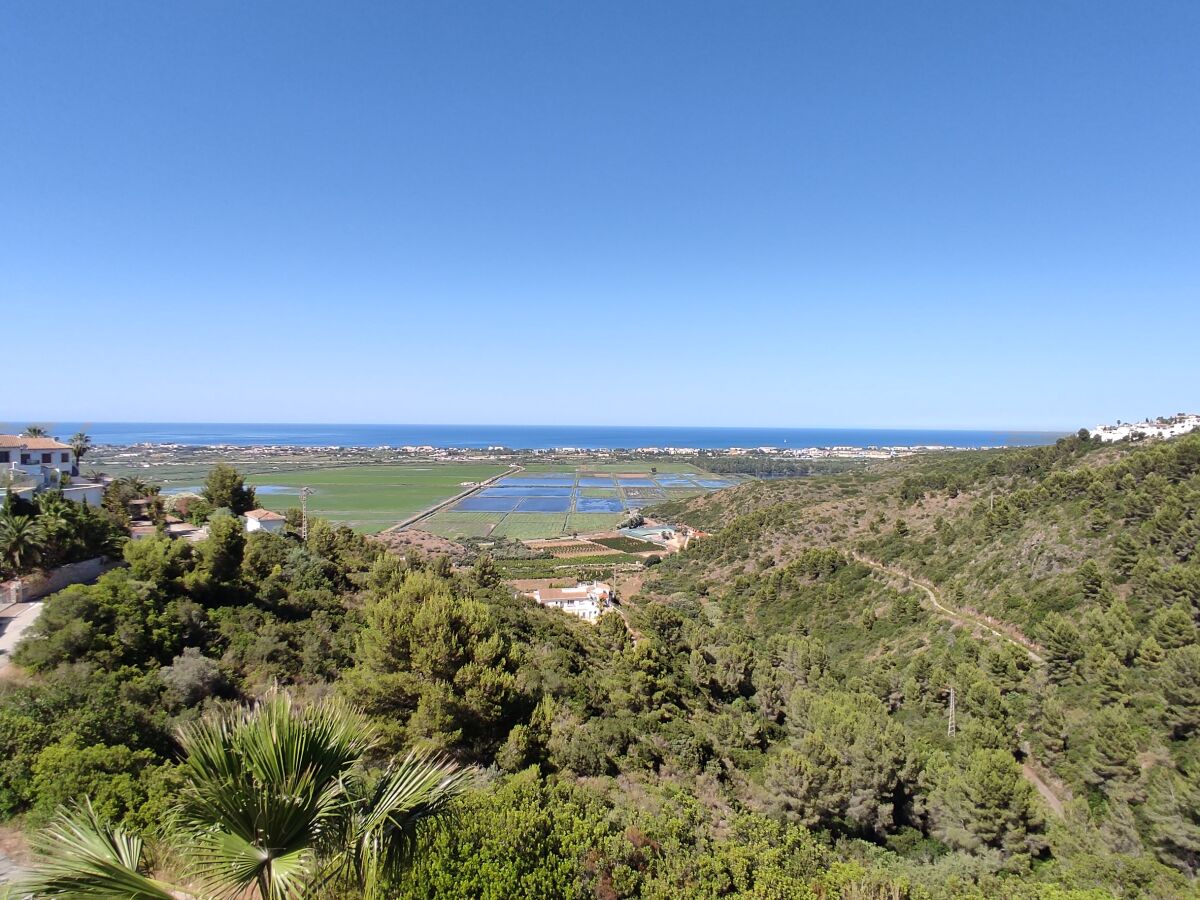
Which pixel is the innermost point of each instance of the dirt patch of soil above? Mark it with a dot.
(429, 544)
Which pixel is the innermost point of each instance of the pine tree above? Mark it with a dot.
(1171, 815)
(1126, 552)
(1180, 675)
(1064, 649)
(1173, 627)
(1090, 579)
(808, 786)
(1114, 753)
(1052, 727)
(1150, 654)
(1183, 542)
(1107, 673)
(484, 572)
(987, 804)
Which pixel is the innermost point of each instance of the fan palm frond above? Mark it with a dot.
(80, 856)
(264, 786)
(386, 820)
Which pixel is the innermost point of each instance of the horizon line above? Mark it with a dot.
(1031, 429)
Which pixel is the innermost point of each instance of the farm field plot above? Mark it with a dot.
(462, 524)
(368, 498)
(598, 493)
(521, 526)
(661, 467)
(585, 522)
(546, 501)
(627, 544)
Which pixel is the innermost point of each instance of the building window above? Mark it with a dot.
(65, 457)
(25, 459)
(46, 457)
(4, 456)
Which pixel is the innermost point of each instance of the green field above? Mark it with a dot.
(525, 526)
(457, 525)
(585, 522)
(370, 498)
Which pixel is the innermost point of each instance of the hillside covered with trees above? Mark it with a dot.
(768, 717)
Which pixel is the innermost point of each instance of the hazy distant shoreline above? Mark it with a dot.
(538, 437)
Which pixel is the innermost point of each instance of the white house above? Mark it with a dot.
(588, 600)
(264, 520)
(30, 465)
(41, 459)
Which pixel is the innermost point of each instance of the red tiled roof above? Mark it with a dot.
(264, 515)
(20, 442)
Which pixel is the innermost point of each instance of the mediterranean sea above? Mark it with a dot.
(535, 437)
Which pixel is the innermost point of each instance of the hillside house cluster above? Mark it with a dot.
(588, 600)
(35, 464)
(1151, 429)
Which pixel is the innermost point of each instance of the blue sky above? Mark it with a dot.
(793, 214)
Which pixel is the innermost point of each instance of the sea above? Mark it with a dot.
(533, 437)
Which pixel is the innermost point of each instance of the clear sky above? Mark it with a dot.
(793, 214)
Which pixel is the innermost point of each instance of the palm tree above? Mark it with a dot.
(81, 443)
(35, 431)
(20, 541)
(134, 485)
(276, 804)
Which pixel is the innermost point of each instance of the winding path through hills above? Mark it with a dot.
(972, 620)
(1030, 769)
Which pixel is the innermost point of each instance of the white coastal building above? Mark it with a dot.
(1161, 428)
(588, 600)
(43, 463)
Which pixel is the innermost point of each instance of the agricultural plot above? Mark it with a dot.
(627, 545)
(582, 523)
(458, 525)
(545, 501)
(369, 498)
(522, 526)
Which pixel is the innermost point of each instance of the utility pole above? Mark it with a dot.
(952, 725)
(304, 492)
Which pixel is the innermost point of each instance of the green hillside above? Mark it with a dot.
(1068, 587)
(770, 715)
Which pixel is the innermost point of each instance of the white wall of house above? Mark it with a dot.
(91, 494)
(274, 526)
(42, 465)
(585, 609)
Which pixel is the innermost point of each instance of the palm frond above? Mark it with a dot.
(263, 787)
(386, 822)
(227, 865)
(79, 856)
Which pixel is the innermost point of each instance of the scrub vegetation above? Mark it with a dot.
(768, 717)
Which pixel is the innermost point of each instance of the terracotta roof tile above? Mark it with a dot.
(20, 442)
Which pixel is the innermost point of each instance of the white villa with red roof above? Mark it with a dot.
(264, 520)
(30, 465)
(588, 600)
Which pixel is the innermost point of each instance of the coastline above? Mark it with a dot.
(536, 438)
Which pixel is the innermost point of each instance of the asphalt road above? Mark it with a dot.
(14, 619)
